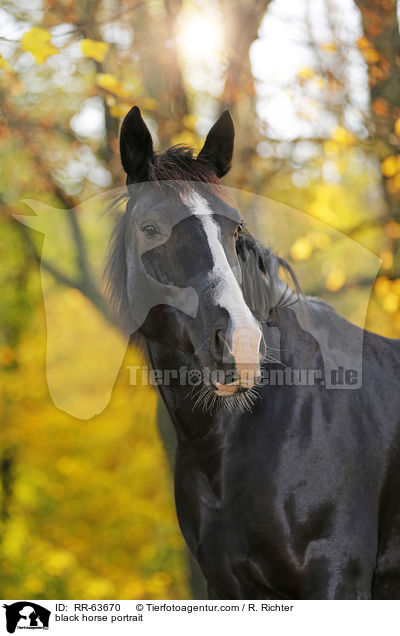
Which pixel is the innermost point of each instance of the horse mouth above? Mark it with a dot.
(229, 390)
(239, 395)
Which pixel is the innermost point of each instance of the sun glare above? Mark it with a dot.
(199, 37)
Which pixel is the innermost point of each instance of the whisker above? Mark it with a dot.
(201, 398)
(269, 358)
(207, 400)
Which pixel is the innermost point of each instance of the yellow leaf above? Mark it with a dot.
(382, 286)
(397, 127)
(390, 166)
(301, 249)
(390, 303)
(112, 84)
(329, 47)
(371, 56)
(119, 110)
(335, 280)
(306, 73)
(342, 136)
(37, 42)
(396, 286)
(331, 147)
(363, 42)
(94, 49)
(4, 64)
(100, 588)
(58, 561)
(341, 166)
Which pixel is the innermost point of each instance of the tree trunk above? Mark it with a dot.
(241, 24)
(381, 49)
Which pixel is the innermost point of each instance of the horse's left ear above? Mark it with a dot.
(218, 148)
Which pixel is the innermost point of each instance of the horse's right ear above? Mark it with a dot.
(136, 146)
(218, 148)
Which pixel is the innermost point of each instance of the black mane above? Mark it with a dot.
(115, 276)
(178, 163)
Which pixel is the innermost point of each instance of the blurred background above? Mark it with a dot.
(86, 506)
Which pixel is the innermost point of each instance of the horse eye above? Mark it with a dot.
(150, 230)
(239, 229)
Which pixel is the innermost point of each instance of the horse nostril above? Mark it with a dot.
(263, 349)
(219, 347)
(219, 342)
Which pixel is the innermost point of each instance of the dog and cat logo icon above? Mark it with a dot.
(26, 615)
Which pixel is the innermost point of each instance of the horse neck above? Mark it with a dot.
(200, 435)
(203, 436)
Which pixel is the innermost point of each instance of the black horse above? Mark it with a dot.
(287, 485)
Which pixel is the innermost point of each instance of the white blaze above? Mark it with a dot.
(246, 334)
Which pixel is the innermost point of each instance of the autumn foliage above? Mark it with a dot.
(86, 506)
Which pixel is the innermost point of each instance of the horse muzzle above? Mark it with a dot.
(242, 353)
